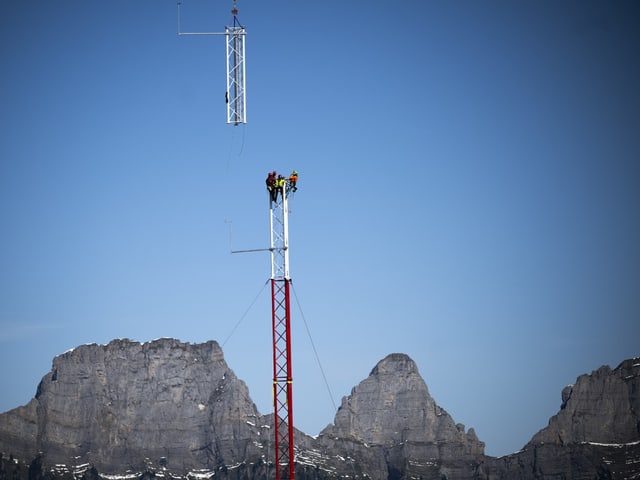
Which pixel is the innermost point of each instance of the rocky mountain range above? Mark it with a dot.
(130, 410)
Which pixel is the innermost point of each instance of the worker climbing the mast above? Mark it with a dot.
(293, 180)
(280, 184)
(271, 186)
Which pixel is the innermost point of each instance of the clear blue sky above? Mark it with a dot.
(469, 192)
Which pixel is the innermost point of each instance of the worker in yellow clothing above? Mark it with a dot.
(280, 182)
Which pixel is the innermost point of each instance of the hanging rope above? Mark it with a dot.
(315, 352)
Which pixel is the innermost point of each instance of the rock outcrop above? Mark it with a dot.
(172, 409)
(603, 407)
(126, 404)
(596, 433)
(392, 414)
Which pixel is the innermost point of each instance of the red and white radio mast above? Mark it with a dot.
(281, 322)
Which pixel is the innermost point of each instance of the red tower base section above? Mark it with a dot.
(282, 379)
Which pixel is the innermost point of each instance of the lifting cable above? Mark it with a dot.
(315, 352)
(232, 146)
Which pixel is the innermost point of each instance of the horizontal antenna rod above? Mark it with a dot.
(252, 250)
(258, 250)
(202, 33)
(212, 33)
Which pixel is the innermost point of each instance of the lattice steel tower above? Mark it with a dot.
(236, 94)
(281, 320)
(236, 82)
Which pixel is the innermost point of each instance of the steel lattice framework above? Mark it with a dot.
(281, 321)
(236, 81)
(236, 95)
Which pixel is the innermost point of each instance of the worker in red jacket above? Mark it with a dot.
(271, 185)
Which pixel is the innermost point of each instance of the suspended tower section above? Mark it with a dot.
(236, 84)
(281, 323)
(236, 93)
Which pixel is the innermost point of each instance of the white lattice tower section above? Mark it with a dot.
(236, 80)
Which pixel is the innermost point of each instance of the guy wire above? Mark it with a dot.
(315, 352)
(235, 327)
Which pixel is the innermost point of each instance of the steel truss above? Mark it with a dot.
(236, 80)
(281, 322)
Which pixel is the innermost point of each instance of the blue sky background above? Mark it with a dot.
(469, 193)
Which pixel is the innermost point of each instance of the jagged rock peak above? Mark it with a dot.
(395, 363)
(391, 402)
(393, 406)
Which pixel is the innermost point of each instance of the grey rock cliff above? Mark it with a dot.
(169, 408)
(125, 404)
(603, 407)
(128, 406)
(595, 435)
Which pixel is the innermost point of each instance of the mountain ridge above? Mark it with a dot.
(175, 407)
